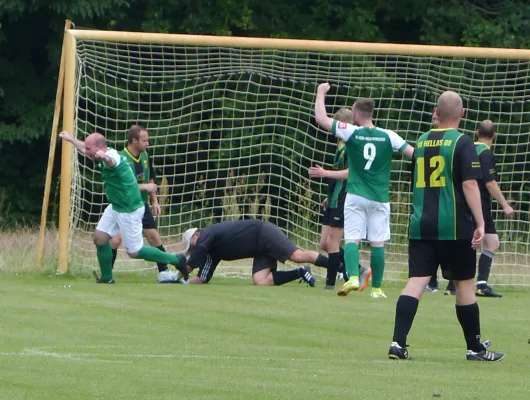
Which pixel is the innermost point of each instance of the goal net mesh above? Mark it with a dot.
(232, 133)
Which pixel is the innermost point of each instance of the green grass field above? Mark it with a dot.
(69, 338)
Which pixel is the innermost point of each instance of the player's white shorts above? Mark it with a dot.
(366, 219)
(129, 224)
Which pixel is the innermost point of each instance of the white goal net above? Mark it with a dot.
(232, 133)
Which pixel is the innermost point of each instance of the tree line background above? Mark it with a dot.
(31, 38)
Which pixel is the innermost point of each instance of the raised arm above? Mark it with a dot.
(78, 144)
(111, 160)
(321, 114)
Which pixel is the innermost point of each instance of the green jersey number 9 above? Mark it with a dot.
(369, 155)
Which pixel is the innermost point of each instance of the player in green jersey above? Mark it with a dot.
(126, 209)
(367, 207)
(333, 210)
(488, 188)
(136, 154)
(442, 231)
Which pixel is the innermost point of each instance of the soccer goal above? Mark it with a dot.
(232, 129)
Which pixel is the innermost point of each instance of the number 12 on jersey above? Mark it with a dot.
(437, 164)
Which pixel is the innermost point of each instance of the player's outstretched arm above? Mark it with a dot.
(321, 114)
(472, 195)
(495, 191)
(109, 161)
(318, 172)
(78, 144)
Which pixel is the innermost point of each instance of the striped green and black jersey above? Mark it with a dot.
(488, 167)
(337, 188)
(443, 160)
(142, 167)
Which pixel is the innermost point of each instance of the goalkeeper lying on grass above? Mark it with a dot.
(262, 241)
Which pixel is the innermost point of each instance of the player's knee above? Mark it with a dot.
(133, 255)
(115, 242)
(324, 244)
(491, 243)
(152, 237)
(332, 244)
(262, 280)
(100, 238)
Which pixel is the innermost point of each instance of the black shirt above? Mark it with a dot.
(230, 240)
(488, 168)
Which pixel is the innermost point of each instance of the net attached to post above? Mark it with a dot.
(232, 133)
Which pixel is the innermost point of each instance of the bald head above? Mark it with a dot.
(450, 109)
(96, 139)
(94, 142)
(486, 129)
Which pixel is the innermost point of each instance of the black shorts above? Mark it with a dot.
(148, 221)
(334, 217)
(489, 223)
(456, 258)
(274, 246)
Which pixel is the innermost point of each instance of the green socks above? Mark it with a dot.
(377, 263)
(149, 253)
(351, 257)
(105, 261)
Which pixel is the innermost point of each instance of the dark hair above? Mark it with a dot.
(486, 129)
(365, 107)
(134, 132)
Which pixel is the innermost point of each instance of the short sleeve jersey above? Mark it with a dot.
(229, 240)
(488, 168)
(443, 160)
(119, 184)
(336, 187)
(142, 167)
(369, 159)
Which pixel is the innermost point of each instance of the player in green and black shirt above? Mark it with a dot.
(124, 213)
(333, 210)
(488, 188)
(141, 163)
(445, 199)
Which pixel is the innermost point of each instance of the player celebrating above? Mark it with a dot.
(124, 213)
(333, 210)
(136, 155)
(441, 232)
(488, 187)
(366, 208)
(251, 238)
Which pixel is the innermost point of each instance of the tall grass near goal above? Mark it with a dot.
(232, 128)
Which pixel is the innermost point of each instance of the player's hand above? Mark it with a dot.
(151, 187)
(323, 88)
(325, 204)
(100, 155)
(65, 135)
(317, 172)
(508, 212)
(478, 237)
(157, 210)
